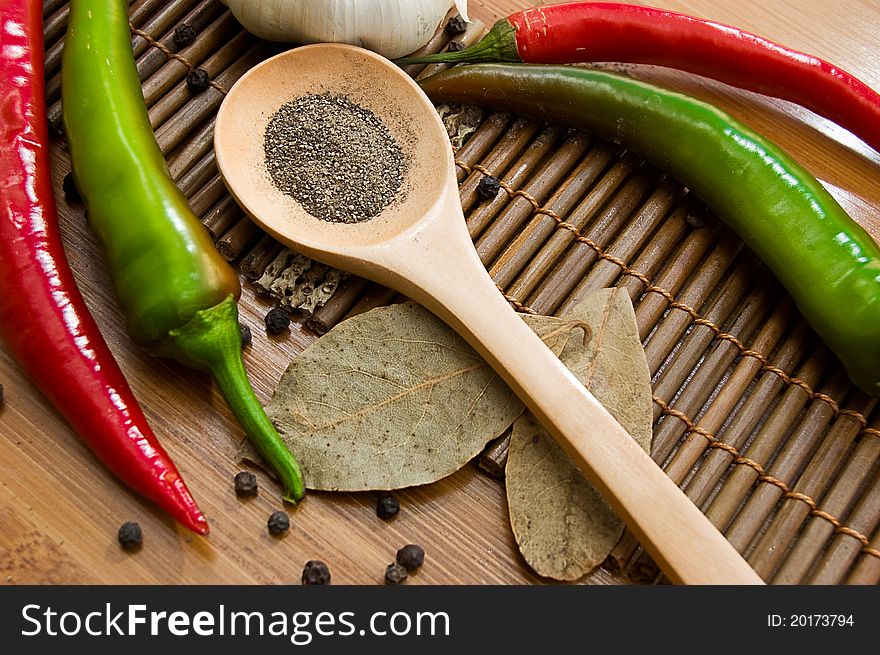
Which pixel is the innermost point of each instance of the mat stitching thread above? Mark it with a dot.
(741, 460)
(650, 287)
(172, 55)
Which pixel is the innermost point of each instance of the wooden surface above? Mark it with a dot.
(59, 509)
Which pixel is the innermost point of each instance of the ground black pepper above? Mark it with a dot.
(456, 25)
(395, 574)
(130, 535)
(197, 80)
(488, 187)
(71, 193)
(411, 557)
(246, 335)
(184, 35)
(245, 484)
(277, 320)
(455, 46)
(335, 158)
(279, 523)
(316, 572)
(387, 506)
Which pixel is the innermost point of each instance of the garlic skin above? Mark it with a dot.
(392, 28)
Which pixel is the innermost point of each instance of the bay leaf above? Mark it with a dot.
(394, 398)
(562, 525)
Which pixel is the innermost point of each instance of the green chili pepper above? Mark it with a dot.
(176, 291)
(828, 263)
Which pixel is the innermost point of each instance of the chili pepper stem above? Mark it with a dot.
(211, 341)
(499, 44)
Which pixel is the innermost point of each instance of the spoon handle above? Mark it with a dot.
(447, 277)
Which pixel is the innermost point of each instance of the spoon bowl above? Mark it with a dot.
(419, 245)
(363, 78)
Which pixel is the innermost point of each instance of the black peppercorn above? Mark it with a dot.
(71, 193)
(387, 507)
(395, 574)
(455, 46)
(184, 35)
(279, 523)
(277, 320)
(456, 25)
(411, 557)
(246, 336)
(245, 484)
(197, 80)
(130, 535)
(316, 572)
(488, 187)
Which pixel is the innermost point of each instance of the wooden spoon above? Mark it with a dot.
(419, 245)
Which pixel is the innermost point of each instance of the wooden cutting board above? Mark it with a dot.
(60, 509)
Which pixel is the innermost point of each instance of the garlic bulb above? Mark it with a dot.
(392, 28)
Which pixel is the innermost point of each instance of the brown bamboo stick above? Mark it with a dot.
(785, 417)
(735, 388)
(474, 32)
(205, 49)
(51, 6)
(540, 227)
(770, 547)
(208, 196)
(139, 12)
(221, 217)
(785, 465)
(844, 548)
(494, 457)
(515, 175)
(238, 238)
(510, 145)
(650, 260)
(199, 175)
(436, 43)
(340, 304)
(255, 262)
(198, 110)
(604, 273)
(754, 406)
(692, 391)
(160, 29)
(187, 154)
(544, 182)
(680, 267)
(559, 239)
(856, 472)
(374, 296)
(572, 265)
(481, 141)
(867, 568)
(55, 25)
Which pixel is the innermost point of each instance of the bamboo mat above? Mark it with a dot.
(753, 416)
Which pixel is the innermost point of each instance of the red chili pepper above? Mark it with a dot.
(579, 32)
(43, 319)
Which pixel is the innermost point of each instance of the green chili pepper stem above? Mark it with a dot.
(499, 44)
(211, 341)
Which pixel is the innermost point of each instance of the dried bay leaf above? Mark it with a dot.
(394, 398)
(562, 525)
